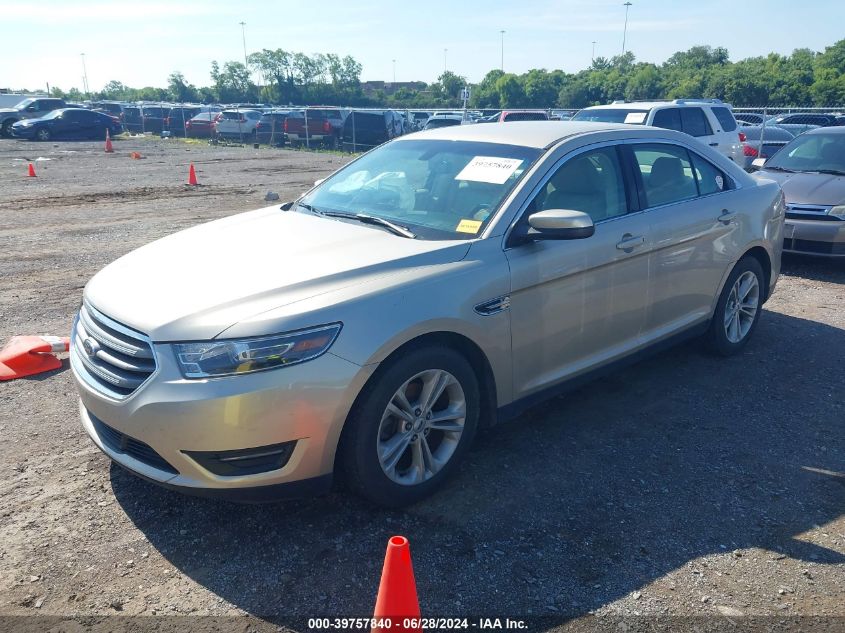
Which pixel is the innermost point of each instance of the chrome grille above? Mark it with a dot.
(109, 356)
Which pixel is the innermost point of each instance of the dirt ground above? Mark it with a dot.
(685, 487)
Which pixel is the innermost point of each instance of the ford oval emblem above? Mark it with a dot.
(91, 347)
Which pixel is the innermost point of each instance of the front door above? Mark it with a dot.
(576, 304)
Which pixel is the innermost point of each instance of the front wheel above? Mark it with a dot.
(43, 134)
(738, 308)
(411, 427)
(6, 130)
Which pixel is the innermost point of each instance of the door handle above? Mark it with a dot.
(714, 144)
(727, 217)
(630, 242)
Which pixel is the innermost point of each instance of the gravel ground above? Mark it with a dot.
(684, 487)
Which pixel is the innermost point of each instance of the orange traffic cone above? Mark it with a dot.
(109, 148)
(28, 355)
(192, 176)
(397, 592)
(31, 173)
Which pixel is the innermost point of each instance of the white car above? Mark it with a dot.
(711, 121)
(237, 123)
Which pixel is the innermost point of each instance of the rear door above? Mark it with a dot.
(576, 304)
(691, 213)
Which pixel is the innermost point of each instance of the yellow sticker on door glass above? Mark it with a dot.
(468, 226)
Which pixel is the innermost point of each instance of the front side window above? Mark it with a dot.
(695, 122)
(710, 178)
(591, 182)
(666, 173)
(441, 190)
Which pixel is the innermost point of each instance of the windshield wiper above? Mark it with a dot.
(308, 207)
(832, 172)
(397, 229)
(776, 168)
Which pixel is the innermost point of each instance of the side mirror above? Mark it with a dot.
(560, 224)
(287, 206)
(319, 182)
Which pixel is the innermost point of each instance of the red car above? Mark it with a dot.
(202, 125)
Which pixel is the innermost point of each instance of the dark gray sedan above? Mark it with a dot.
(811, 171)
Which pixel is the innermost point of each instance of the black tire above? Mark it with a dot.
(6, 130)
(717, 336)
(358, 459)
(43, 135)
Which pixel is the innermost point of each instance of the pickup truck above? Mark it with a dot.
(33, 108)
(325, 126)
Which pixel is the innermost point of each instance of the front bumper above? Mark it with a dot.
(169, 417)
(824, 238)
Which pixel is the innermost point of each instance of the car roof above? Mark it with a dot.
(538, 134)
(834, 129)
(648, 105)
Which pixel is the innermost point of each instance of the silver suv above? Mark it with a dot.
(711, 121)
(443, 281)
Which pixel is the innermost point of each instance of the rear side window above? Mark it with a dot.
(710, 178)
(725, 118)
(668, 118)
(666, 172)
(694, 122)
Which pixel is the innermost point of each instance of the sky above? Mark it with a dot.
(141, 43)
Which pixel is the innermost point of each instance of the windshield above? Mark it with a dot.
(812, 152)
(613, 115)
(53, 114)
(440, 190)
(22, 104)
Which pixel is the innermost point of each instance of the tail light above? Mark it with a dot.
(750, 151)
(167, 121)
(286, 126)
(327, 127)
(742, 137)
(188, 124)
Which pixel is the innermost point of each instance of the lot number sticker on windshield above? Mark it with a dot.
(489, 169)
(635, 117)
(468, 226)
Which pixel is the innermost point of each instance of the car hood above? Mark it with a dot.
(194, 284)
(808, 188)
(9, 111)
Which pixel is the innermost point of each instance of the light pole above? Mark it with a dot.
(445, 52)
(243, 36)
(503, 50)
(394, 71)
(593, 58)
(627, 6)
(84, 75)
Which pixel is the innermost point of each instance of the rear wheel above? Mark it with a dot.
(738, 308)
(412, 427)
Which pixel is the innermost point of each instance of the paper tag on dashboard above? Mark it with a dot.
(489, 169)
(635, 117)
(468, 226)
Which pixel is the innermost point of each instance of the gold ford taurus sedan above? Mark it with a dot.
(441, 282)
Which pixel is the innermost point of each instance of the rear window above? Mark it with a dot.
(633, 116)
(725, 118)
(156, 112)
(232, 116)
(526, 116)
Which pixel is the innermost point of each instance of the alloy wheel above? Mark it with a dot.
(421, 427)
(741, 307)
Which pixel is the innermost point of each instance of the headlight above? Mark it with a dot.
(226, 358)
(838, 211)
